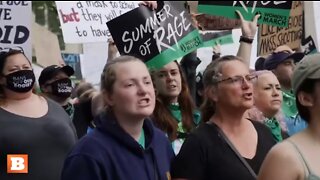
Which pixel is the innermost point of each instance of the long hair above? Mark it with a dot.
(211, 76)
(162, 116)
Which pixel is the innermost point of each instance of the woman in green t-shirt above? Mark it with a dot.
(175, 112)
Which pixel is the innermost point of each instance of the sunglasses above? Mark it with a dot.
(6, 50)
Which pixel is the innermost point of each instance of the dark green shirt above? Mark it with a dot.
(275, 128)
(176, 113)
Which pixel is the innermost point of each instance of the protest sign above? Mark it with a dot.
(274, 13)
(93, 60)
(211, 39)
(157, 37)
(309, 46)
(73, 60)
(85, 21)
(270, 37)
(15, 26)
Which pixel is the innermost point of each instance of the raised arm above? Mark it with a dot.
(248, 30)
(112, 50)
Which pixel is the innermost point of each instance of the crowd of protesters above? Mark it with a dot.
(228, 122)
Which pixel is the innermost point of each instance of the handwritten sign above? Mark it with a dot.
(211, 39)
(15, 25)
(84, 21)
(270, 37)
(157, 37)
(274, 13)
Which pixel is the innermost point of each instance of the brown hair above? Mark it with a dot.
(307, 86)
(211, 76)
(3, 60)
(83, 87)
(162, 114)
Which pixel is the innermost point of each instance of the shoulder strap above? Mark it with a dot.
(301, 156)
(245, 163)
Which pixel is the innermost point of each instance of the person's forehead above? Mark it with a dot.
(234, 68)
(168, 67)
(267, 78)
(288, 60)
(17, 59)
(131, 70)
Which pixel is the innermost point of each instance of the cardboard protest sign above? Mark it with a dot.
(85, 21)
(15, 26)
(274, 13)
(157, 37)
(211, 39)
(270, 37)
(73, 60)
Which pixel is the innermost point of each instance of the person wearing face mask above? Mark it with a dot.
(30, 124)
(55, 83)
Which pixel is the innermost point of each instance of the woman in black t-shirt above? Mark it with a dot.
(205, 154)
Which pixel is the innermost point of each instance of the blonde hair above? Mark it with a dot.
(255, 114)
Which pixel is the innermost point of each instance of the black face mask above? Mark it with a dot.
(20, 81)
(62, 88)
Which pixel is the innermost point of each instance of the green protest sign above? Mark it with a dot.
(211, 39)
(274, 13)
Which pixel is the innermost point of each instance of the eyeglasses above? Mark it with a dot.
(239, 79)
(6, 50)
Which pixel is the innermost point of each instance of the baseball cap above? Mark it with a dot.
(307, 68)
(50, 71)
(277, 58)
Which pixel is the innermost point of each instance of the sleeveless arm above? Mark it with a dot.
(281, 163)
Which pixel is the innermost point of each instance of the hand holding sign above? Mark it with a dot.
(248, 28)
(112, 49)
(151, 4)
(156, 37)
(216, 49)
